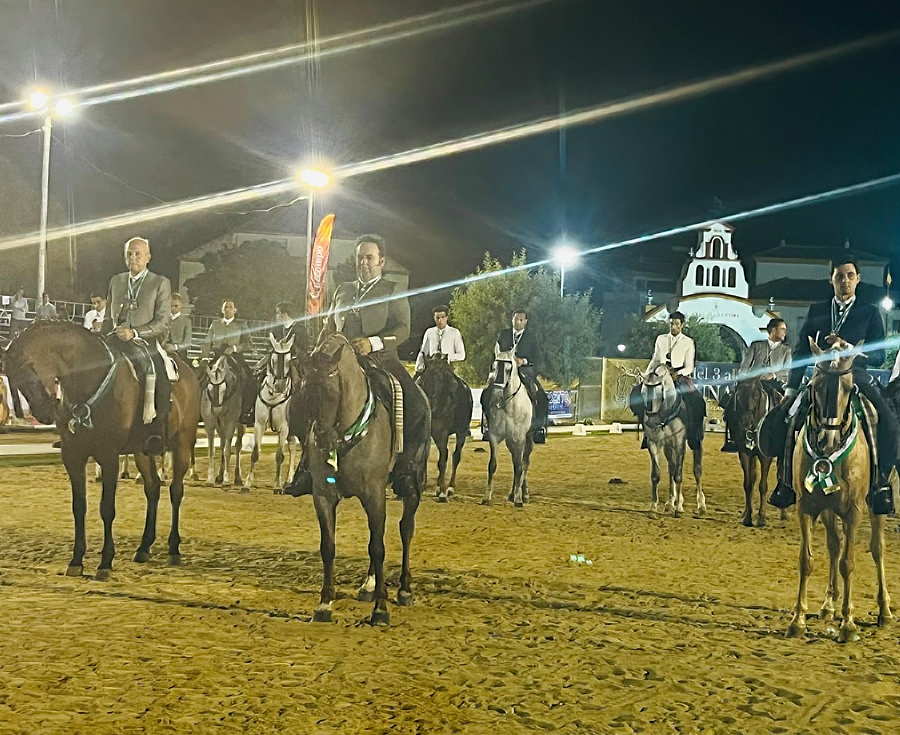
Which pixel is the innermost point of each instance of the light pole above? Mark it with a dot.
(564, 256)
(40, 102)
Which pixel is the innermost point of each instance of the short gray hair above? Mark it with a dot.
(138, 239)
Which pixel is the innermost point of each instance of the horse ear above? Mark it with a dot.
(814, 348)
(337, 354)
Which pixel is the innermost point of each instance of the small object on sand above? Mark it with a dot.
(617, 481)
(479, 450)
(579, 559)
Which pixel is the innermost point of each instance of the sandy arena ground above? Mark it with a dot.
(677, 626)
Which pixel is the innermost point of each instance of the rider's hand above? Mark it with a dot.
(520, 361)
(125, 334)
(362, 345)
(229, 350)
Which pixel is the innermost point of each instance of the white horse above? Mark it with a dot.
(220, 407)
(509, 419)
(664, 426)
(271, 411)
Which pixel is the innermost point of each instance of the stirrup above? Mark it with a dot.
(881, 498)
(783, 496)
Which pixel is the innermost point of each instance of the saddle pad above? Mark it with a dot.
(169, 362)
(397, 396)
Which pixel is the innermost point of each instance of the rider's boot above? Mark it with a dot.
(729, 445)
(248, 400)
(784, 496)
(881, 497)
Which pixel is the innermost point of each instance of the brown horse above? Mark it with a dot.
(832, 473)
(751, 403)
(350, 452)
(100, 406)
(451, 413)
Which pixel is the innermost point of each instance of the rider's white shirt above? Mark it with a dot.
(94, 316)
(682, 350)
(449, 341)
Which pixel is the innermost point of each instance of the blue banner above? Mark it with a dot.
(560, 404)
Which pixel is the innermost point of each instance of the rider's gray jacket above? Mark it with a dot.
(761, 358)
(145, 307)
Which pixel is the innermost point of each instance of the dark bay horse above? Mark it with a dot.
(451, 413)
(101, 402)
(751, 404)
(350, 451)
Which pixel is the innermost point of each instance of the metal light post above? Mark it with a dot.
(564, 256)
(40, 102)
(313, 179)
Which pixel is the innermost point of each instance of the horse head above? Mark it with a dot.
(831, 390)
(278, 366)
(658, 392)
(751, 404)
(44, 354)
(332, 359)
(221, 381)
(506, 371)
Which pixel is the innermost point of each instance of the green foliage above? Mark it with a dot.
(707, 337)
(568, 330)
(256, 276)
(890, 357)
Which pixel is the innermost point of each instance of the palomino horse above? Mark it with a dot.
(100, 406)
(509, 419)
(220, 407)
(451, 413)
(351, 454)
(664, 427)
(271, 410)
(751, 404)
(832, 473)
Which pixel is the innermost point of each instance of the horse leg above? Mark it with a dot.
(258, 429)
(279, 455)
(492, 468)
(653, 451)
(227, 443)
(239, 441)
(192, 472)
(526, 463)
(147, 467)
(848, 631)
(407, 529)
(292, 449)
(210, 428)
(125, 474)
(797, 628)
(108, 514)
(697, 457)
(833, 540)
(442, 442)
(748, 467)
(876, 545)
(765, 464)
(373, 504)
(181, 458)
(457, 457)
(325, 512)
(76, 467)
(517, 450)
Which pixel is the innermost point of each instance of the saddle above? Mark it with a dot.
(389, 394)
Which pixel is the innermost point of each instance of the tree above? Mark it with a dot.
(256, 276)
(567, 329)
(707, 337)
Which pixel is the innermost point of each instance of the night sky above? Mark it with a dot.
(798, 133)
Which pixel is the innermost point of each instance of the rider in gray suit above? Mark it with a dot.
(768, 359)
(137, 318)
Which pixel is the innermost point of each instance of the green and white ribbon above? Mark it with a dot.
(821, 474)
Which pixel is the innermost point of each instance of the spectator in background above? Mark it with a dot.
(93, 320)
(180, 330)
(18, 311)
(45, 310)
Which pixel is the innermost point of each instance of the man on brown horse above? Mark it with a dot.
(770, 361)
(842, 320)
(137, 318)
(376, 322)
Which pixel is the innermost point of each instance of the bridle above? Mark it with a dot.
(656, 389)
(213, 396)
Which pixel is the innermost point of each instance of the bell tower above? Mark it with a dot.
(715, 267)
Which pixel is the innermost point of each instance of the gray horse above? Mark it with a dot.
(509, 419)
(666, 433)
(220, 407)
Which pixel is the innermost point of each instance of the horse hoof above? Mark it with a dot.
(277, 491)
(442, 499)
(245, 490)
(847, 635)
(795, 631)
(652, 515)
(519, 504)
(365, 595)
(404, 598)
(322, 614)
(676, 514)
(103, 575)
(72, 571)
(761, 523)
(210, 483)
(748, 522)
(701, 512)
(380, 617)
(485, 501)
(450, 491)
(141, 557)
(174, 560)
(510, 498)
(885, 620)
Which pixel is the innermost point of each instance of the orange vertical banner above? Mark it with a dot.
(318, 267)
